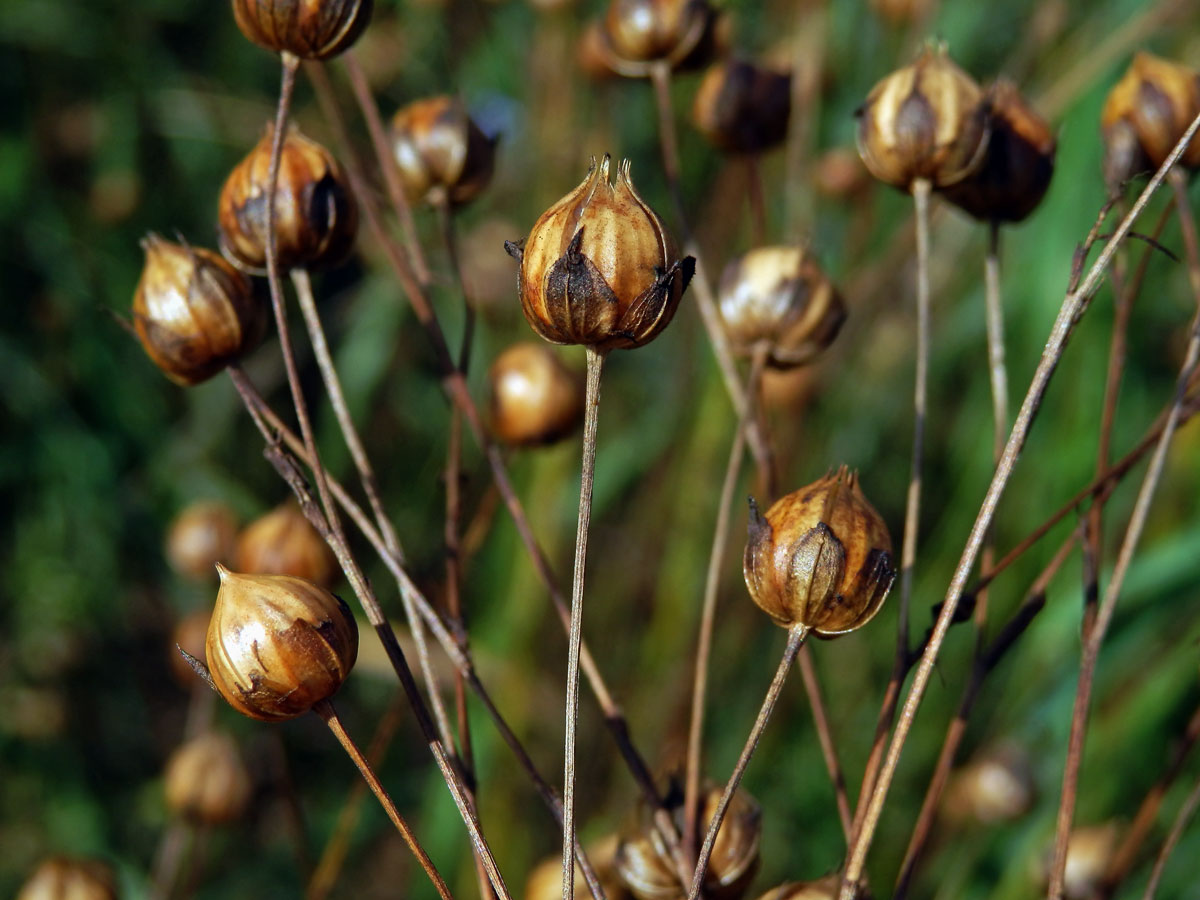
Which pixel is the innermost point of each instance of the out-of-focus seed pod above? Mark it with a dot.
(206, 780)
(545, 881)
(1017, 166)
(1089, 851)
(62, 878)
(309, 29)
(651, 30)
(599, 267)
(201, 535)
(840, 174)
(643, 861)
(277, 645)
(827, 888)
(779, 296)
(821, 557)
(533, 398)
(1145, 115)
(440, 152)
(741, 107)
(316, 218)
(189, 635)
(283, 542)
(902, 12)
(995, 786)
(593, 52)
(193, 312)
(926, 121)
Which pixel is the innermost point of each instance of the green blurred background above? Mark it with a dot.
(125, 118)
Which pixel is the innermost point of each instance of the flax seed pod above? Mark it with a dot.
(283, 542)
(534, 398)
(742, 107)
(206, 780)
(201, 535)
(309, 29)
(440, 152)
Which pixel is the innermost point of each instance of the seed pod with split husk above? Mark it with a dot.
(927, 121)
(1145, 115)
(599, 267)
(533, 398)
(644, 864)
(201, 535)
(821, 557)
(278, 645)
(206, 780)
(309, 29)
(193, 312)
(1016, 169)
(778, 296)
(742, 107)
(63, 878)
(284, 542)
(316, 219)
(440, 152)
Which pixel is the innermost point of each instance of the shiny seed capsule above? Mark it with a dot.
(309, 29)
(283, 542)
(440, 152)
(533, 398)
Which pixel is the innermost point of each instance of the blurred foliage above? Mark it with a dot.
(123, 118)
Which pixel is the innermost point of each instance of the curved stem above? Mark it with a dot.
(795, 639)
(1181, 821)
(595, 368)
(325, 710)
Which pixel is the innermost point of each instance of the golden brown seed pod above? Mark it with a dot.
(193, 312)
(779, 296)
(315, 215)
(1145, 115)
(1018, 163)
(643, 861)
(827, 888)
(599, 267)
(996, 786)
(284, 542)
(928, 120)
(545, 881)
(62, 878)
(189, 635)
(309, 29)
(741, 107)
(650, 30)
(1089, 851)
(277, 645)
(821, 557)
(201, 535)
(440, 152)
(533, 398)
(206, 780)
(902, 12)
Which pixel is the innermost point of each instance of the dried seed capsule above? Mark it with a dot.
(545, 881)
(1153, 104)
(743, 108)
(780, 296)
(644, 864)
(440, 151)
(533, 399)
(193, 312)
(201, 535)
(996, 786)
(315, 216)
(283, 542)
(189, 636)
(1089, 850)
(646, 30)
(821, 557)
(827, 888)
(1016, 169)
(309, 29)
(928, 120)
(599, 267)
(206, 780)
(62, 878)
(277, 645)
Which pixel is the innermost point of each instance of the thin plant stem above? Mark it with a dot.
(329, 716)
(171, 857)
(595, 368)
(1177, 828)
(1074, 305)
(795, 639)
(1133, 533)
(812, 688)
(387, 164)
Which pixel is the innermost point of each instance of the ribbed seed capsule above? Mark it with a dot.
(742, 107)
(1145, 115)
(193, 312)
(644, 863)
(440, 151)
(779, 296)
(821, 557)
(599, 267)
(928, 120)
(206, 780)
(316, 219)
(533, 398)
(62, 878)
(1016, 169)
(277, 645)
(283, 542)
(309, 29)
